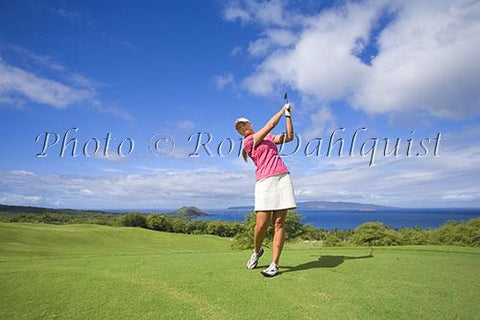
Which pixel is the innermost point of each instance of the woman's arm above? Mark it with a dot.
(288, 135)
(262, 133)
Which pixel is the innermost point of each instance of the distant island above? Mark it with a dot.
(188, 213)
(42, 210)
(329, 205)
(182, 213)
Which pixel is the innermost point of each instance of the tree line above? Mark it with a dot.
(459, 233)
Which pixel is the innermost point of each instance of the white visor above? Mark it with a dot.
(240, 120)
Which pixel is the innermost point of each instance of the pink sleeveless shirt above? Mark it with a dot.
(265, 156)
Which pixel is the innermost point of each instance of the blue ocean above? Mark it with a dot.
(350, 219)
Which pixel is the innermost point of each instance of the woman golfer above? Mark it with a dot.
(273, 188)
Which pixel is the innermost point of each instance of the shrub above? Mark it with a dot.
(332, 240)
(244, 239)
(134, 219)
(293, 226)
(158, 222)
(311, 233)
(178, 225)
(375, 234)
(197, 227)
(50, 218)
(392, 238)
(415, 236)
(458, 233)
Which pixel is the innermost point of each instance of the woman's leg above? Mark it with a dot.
(279, 233)
(261, 226)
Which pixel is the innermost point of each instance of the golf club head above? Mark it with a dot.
(285, 97)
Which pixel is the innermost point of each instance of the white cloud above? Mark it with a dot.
(462, 197)
(15, 199)
(86, 192)
(22, 172)
(15, 82)
(265, 12)
(111, 108)
(273, 38)
(62, 88)
(236, 51)
(321, 63)
(233, 13)
(165, 188)
(259, 47)
(221, 81)
(322, 121)
(35, 59)
(426, 61)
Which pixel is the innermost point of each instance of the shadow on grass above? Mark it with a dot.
(324, 262)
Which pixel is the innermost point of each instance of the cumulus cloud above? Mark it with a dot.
(41, 79)
(221, 81)
(426, 61)
(157, 188)
(404, 182)
(264, 12)
(423, 55)
(321, 62)
(236, 51)
(322, 121)
(273, 38)
(15, 82)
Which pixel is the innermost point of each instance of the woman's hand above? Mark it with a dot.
(288, 107)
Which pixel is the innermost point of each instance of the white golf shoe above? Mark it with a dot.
(253, 261)
(271, 271)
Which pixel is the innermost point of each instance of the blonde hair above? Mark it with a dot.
(244, 153)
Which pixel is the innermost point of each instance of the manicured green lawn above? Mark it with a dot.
(96, 272)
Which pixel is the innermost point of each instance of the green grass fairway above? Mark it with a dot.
(97, 272)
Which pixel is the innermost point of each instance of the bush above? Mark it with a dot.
(332, 240)
(178, 225)
(293, 226)
(134, 219)
(244, 239)
(223, 229)
(311, 233)
(415, 236)
(458, 233)
(375, 234)
(197, 227)
(392, 238)
(476, 240)
(158, 222)
(50, 218)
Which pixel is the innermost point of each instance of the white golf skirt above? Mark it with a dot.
(274, 193)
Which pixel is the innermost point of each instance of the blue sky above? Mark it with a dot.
(161, 72)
